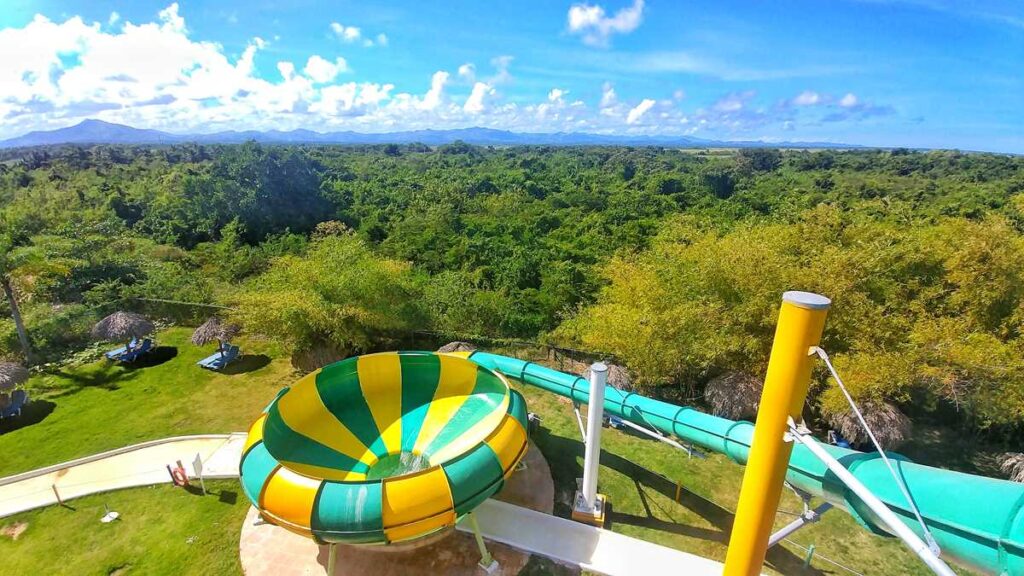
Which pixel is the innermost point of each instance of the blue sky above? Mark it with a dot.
(928, 73)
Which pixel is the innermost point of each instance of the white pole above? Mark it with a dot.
(892, 522)
(595, 413)
(806, 518)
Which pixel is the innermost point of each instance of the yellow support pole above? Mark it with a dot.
(801, 322)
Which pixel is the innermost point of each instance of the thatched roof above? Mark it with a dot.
(122, 326)
(890, 426)
(214, 330)
(734, 395)
(1013, 466)
(618, 376)
(456, 347)
(12, 374)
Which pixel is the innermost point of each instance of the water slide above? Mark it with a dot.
(977, 521)
(383, 448)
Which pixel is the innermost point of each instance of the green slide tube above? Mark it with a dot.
(977, 521)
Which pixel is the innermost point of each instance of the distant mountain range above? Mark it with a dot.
(100, 132)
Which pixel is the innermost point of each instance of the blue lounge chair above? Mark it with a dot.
(18, 399)
(133, 354)
(116, 353)
(221, 358)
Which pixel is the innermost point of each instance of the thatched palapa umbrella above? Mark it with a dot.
(215, 329)
(734, 395)
(11, 375)
(456, 347)
(122, 327)
(890, 426)
(1013, 466)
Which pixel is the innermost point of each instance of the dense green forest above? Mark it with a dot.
(672, 261)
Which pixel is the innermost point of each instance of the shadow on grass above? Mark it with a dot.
(246, 363)
(562, 456)
(32, 413)
(155, 357)
(107, 376)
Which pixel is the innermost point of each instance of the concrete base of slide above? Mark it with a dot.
(267, 550)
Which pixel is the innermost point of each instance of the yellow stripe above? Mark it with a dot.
(458, 378)
(415, 504)
(289, 497)
(455, 354)
(473, 436)
(325, 473)
(255, 433)
(304, 412)
(508, 443)
(378, 376)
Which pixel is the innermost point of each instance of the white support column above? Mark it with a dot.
(589, 505)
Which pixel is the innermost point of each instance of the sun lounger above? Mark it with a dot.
(118, 352)
(134, 354)
(219, 359)
(18, 399)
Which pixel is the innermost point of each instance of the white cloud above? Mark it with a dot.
(170, 17)
(597, 27)
(433, 97)
(382, 39)
(346, 33)
(477, 101)
(807, 98)
(501, 64)
(733, 102)
(608, 98)
(467, 72)
(636, 113)
(323, 71)
(679, 94)
(287, 70)
(114, 17)
(556, 94)
(848, 101)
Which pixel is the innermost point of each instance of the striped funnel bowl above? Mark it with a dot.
(383, 448)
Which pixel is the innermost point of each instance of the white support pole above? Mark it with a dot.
(579, 420)
(887, 516)
(595, 414)
(808, 517)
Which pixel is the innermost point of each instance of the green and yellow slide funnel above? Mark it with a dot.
(383, 448)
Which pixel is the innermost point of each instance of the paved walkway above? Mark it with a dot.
(138, 465)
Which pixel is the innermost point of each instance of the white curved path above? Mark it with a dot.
(145, 464)
(137, 465)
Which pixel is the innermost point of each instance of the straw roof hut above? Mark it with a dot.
(456, 347)
(1013, 466)
(122, 326)
(618, 376)
(890, 426)
(734, 395)
(214, 330)
(12, 374)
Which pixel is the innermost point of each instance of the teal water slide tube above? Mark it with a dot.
(977, 521)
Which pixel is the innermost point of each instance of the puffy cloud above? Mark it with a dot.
(807, 98)
(433, 97)
(556, 94)
(501, 65)
(114, 17)
(848, 101)
(608, 98)
(636, 113)
(596, 27)
(477, 101)
(323, 71)
(467, 72)
(346, 33)
(733, 102)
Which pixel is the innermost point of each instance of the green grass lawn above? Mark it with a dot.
(87, 409)
(95, 407)
(162, 530)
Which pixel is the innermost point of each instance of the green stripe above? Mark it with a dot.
(338, 387)
(349, 512)
(485, 398)
(288, 445)
(473, 477)
(420, 376)
(517, 408)
(257, 464)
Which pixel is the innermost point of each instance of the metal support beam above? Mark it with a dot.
(808, 517)
(801, 322)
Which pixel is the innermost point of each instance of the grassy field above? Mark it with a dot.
(87, 409)
(95, 407)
